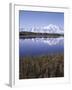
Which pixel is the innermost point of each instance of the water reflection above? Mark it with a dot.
(49, 41)
(40, 46)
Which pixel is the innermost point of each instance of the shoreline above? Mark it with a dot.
(39, 35)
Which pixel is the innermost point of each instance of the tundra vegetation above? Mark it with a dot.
(44, 66)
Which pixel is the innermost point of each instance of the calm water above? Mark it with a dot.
(41, 46)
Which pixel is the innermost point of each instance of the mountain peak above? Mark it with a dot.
(51, 28)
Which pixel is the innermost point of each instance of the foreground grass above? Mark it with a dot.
(41, 66)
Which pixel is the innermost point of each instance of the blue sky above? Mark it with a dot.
(29, 19)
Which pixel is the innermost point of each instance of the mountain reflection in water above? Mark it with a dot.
(41, 46)
(49, 41)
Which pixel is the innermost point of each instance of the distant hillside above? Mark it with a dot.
(24, 34)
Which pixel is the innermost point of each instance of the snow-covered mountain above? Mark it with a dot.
(48, 29)
(51, 28)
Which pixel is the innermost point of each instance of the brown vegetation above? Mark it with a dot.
(41, 66)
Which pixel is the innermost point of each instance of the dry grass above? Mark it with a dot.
(41, 66)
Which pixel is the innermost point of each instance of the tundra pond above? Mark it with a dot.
(41, 57)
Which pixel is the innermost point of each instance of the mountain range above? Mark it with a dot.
(51, 28)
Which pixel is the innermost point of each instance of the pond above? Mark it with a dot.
(41, 46)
